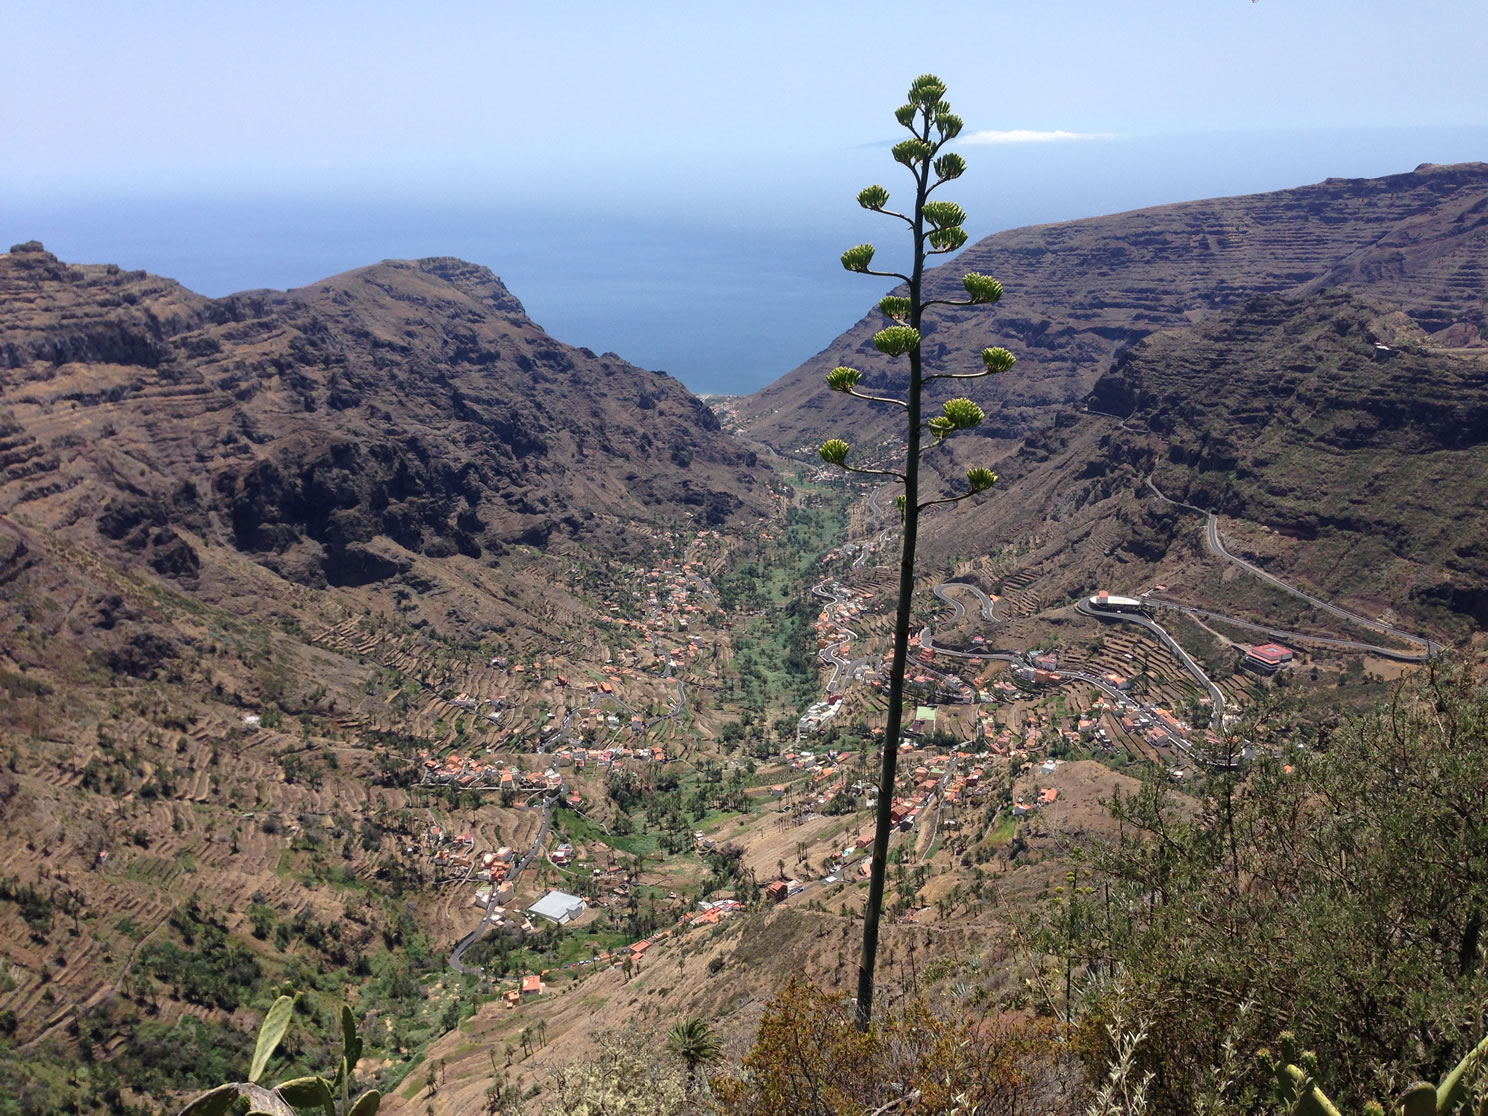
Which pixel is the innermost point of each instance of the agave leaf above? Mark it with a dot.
(350, 1043)
(304, 1092)
(1453, 1089)
(266, 1102)
(1419, 1100)
(270, 1035)
(213, 1103)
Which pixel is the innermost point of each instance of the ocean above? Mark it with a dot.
(726, 276)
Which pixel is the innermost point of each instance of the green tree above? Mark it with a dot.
(1338, 890)
(936, 229)
(693, 1041)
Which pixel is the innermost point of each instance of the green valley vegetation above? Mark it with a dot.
(774, 660)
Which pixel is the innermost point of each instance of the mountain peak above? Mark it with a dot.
(419, 281)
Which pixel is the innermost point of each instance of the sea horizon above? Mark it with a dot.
(725, 280)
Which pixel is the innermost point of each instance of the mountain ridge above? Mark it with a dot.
(1078, 292)
(412, 401)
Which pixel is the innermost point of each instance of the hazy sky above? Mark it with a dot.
(292, 96)
(674, 181)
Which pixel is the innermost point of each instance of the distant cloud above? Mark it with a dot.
(1026, 135)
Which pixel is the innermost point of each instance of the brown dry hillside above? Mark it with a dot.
(1080, 291)
(336, 431)
(256, 553)
(1354, 470)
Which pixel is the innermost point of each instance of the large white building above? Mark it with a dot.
(1105, 602)
(559, 907)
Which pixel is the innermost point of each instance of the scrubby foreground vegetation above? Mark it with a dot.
(1327, 903)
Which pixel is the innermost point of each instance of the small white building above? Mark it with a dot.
(559, 907)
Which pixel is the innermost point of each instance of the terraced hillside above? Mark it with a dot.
(1080, 291)
(261, 557)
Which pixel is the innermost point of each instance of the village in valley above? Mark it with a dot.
(655, 807)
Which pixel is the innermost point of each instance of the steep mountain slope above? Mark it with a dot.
(336, 431)
(1356, 469)
(255, 554)
(1080, 291)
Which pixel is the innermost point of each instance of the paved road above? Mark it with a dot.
(989, 606)
(1291, 636)
(842, 669)
(475, 935)
(1215, 545)
(927, 639)
(1216, 697)
(877, 515)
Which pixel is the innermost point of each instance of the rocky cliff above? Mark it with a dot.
(1080, 292)
(336, 431)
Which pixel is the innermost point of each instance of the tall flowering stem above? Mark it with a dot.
(936, 229)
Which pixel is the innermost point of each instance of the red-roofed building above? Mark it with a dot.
(1268, 658)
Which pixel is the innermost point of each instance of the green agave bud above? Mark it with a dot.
(905, 114)
(841, 379)
(948, 124)
(983, 288)
(834, 451)
(927, 90)
(858, 258)
(962, 414)
(941, 426)
(892, 306)
(949, 166)
(997, 359)
(896, 340)
(946, 240)
(944, 214)
(901, 502)
(980, 479)
(912, 152)
(873, 197)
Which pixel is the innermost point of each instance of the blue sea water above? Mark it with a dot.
(726, 276)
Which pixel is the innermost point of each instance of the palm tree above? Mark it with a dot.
(693, 1041)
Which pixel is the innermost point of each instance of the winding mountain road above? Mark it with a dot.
(1216, 546)
(1216, 696)
(989, 604)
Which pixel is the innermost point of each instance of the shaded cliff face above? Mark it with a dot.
(335, 432)
(1078, 293)
(1290, 414)
(1358, 471)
